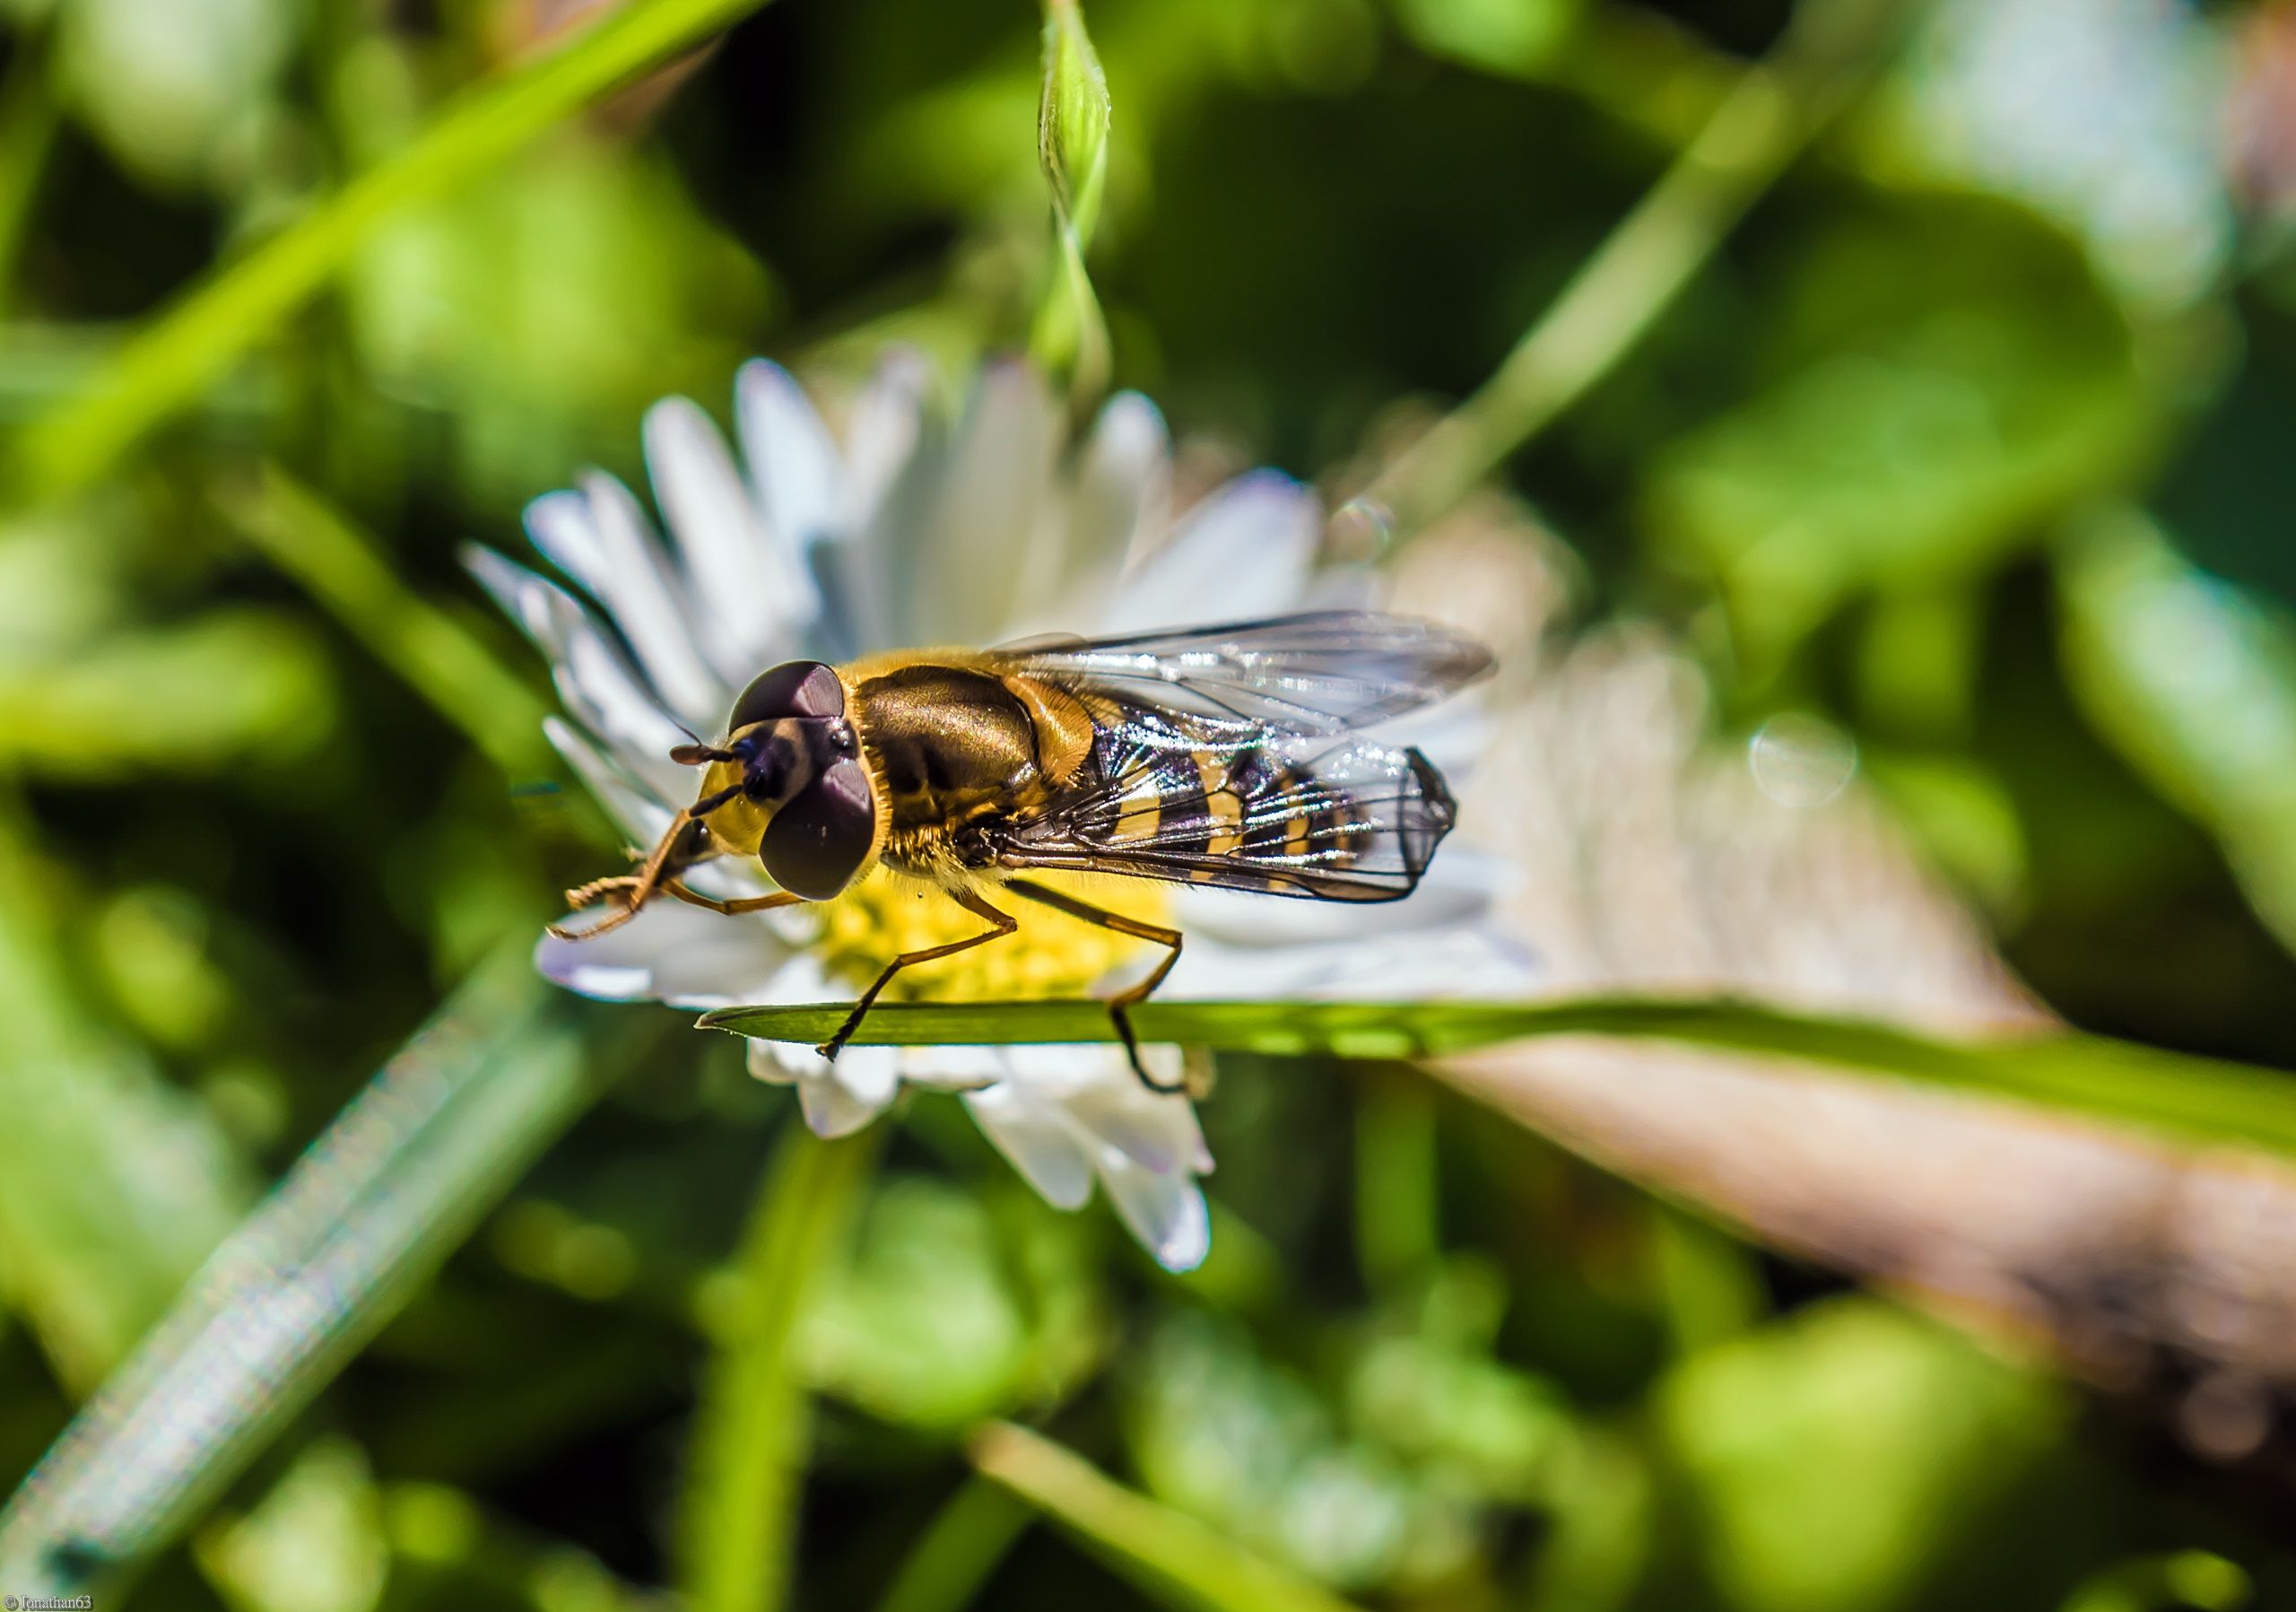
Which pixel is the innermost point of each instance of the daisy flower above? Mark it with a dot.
(913, 529)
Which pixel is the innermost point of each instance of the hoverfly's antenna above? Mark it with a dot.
(649, 878)
(698, 755)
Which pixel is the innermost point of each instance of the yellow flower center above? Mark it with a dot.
(1051, 955)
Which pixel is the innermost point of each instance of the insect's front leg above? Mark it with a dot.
(1120, 1005)
(1004, 925)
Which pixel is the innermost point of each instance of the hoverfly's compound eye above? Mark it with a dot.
(819, 839)
(795, 688)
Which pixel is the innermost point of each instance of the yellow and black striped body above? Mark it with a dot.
(967, 762)
(1239, 814)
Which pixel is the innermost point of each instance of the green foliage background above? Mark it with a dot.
(1987, 461)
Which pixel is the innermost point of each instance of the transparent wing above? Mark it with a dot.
(1327, 672)
(1350, 821)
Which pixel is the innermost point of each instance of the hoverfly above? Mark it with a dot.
(1224, 755)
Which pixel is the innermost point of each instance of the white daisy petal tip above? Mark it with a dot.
(1167, 1213)
(842, 1096)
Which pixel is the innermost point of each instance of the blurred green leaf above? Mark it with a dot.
(376, 1204)
(2185, 1579)
(314, 1544)
(1771, 1428)
(1520, 37)
(233, 684)
(2195, 681)
(1249, 1447)
(939, 1322)
(2200, 1099)
(186, 350)
(537, 312)
(1924, 424)
(1175, 1558)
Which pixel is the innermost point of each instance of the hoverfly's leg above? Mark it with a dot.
(1004, 925)
(598, 890)
(636, 888)
(739, 904)
(1121, 1004)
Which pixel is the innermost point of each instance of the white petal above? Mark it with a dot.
(1166, 1212)
(1040, 1143)
(885, 425)
(1244, 552)
(669, 952)
(792, 461)
(841, 1097)
(954, 1069)
(1119, 492)
(753, 598)
(650, 604)
(766, 1063)
(1478, 962)
(990, 541)
(1095, 1086)
(897, 451)
(636, 809)
(601, 690)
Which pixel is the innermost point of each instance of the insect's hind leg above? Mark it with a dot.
(1004, 923)
(1120, 1005)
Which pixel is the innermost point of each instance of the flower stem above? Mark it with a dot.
(1175, 1558)
(1770, 114)
(754, 1432)
(958, 1549)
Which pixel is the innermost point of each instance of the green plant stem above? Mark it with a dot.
(1174, 1557)
(183, 352)
(344, 570)
(1770, 114)
(2197, 1099)
(390, 1189)
(1398, 1239)
(753, 1430)
(958, 1551)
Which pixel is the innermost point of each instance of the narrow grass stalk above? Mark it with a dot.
(1174, 1557)
(378, 1202)
(343, 569)
(185, 350)
(2196, 1099)
(753, 1431)
(1770, 114)
(962, 1546)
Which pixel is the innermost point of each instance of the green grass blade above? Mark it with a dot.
(2196, 1098)
(964, 1544)
(752, 1435)
(374, 1204)
(173, 361)
(1174, 1557)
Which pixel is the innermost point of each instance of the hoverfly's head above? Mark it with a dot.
(788, 786)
